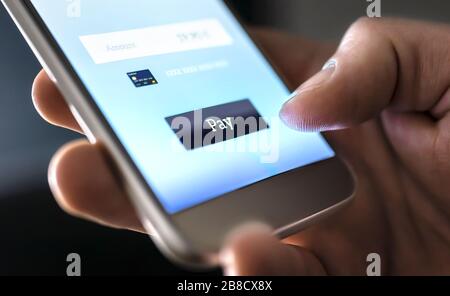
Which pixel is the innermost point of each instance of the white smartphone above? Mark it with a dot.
(187, 106)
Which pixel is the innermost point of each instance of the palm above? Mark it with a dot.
(396, 212)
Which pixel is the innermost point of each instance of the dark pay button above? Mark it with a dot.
(216, 124)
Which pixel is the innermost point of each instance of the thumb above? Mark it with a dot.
(391, 63)
(253, 251)
(355, 85)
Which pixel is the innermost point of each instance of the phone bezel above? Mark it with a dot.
(184, 235)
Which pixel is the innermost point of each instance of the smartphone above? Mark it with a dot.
(186, 104)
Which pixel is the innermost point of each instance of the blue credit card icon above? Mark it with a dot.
(142, 78)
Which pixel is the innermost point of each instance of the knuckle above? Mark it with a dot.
(364, 31)
(365, 24)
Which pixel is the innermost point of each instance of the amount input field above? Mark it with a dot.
(157, 40)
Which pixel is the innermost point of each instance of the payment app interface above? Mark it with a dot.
(185, 90)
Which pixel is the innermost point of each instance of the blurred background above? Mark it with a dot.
(35, 235)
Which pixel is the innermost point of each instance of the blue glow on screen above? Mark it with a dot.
(179, 178)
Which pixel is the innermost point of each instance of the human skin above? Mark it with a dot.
(384, 107)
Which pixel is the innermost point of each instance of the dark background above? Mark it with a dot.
(35, 235)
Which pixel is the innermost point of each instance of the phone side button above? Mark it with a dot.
(90, 136)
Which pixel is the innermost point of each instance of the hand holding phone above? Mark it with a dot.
(378, 220)
(186, 106)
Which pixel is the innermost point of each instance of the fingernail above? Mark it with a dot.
(292, 96)
(226, 256)
(250, 228)
(246, 230)
(331, 64)
(317, 79)
(320, 78)
(313, 83)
